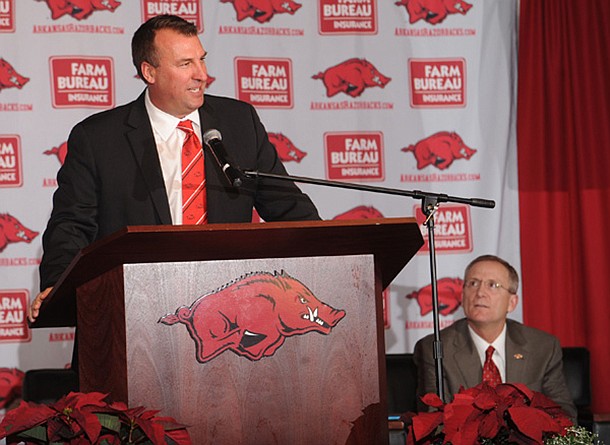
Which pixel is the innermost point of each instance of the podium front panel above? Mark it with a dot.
(259, 351)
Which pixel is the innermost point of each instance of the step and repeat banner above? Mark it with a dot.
(409, 94)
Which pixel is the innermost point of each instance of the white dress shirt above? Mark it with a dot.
(499, 355)
(169, 140)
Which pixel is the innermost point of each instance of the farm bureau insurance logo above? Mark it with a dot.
(13, 324)
(452, 229)
(7, 15)
(10, 161)
(437, 82)
(347, 16)
(265, 83)
(82, 82)
(354, 156)
(189, 10)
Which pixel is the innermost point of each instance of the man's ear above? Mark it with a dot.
(148, 72)
(512, 302)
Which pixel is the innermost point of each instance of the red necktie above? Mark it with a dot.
(491, 374)
(193, 178)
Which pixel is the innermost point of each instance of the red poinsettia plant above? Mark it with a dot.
(11, 381)
(86, 418)
(508, 413)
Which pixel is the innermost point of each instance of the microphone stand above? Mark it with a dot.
(430, 204)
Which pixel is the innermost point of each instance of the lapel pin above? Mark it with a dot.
(518, 356)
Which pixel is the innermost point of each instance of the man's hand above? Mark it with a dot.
(34, 308)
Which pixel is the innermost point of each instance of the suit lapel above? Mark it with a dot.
(142, 143)
(516, 353)
(466, 357)
(216, 189)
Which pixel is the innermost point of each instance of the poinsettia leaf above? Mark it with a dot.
(109, 421)
(485, 401)
(490, 425)
(119, 406)
(89, 422)
(39, 432)
(109, 439)
(152, 430)
(80, 399)
(23, 417)
(425, 423)
(533, 422)
(455, 423)
(464, 398)
(523, 389)
(433, 400)
(178, 437)
(60, 428)
(169, 423)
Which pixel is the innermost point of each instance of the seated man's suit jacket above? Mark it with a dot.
(112, 178)
(533, 357)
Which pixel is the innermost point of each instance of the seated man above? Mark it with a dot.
(517, 353)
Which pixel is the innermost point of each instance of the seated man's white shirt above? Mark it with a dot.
(499, 355)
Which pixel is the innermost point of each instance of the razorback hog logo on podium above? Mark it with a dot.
(360, 212)
(351, 77)
(80, 9)
(60, 151)
(440, 150)
(262, 10)
(11, 382)
(253, 315)
(12, 231)
(449, 296)
(9, 78)
(433, 11)
(285, 148)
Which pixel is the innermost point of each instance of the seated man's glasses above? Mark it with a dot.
(491, 285)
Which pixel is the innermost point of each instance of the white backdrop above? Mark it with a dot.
(414, 95)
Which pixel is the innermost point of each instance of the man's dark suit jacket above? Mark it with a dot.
(112, 178)
(533, 357)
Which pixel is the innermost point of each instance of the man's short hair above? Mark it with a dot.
(143, 41)
(513, 276)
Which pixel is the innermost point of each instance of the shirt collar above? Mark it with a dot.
(165, 124)
(481, 345)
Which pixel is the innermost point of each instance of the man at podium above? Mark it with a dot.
(143, 163)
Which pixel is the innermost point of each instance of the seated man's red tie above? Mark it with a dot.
(194, 209)
(491, 374)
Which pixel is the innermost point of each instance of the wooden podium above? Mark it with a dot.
(249, 333)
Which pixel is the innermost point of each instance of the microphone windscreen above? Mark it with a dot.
(211, 134)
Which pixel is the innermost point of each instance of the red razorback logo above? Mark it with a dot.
(60, 151)
(262, 10)
(80, 9)
(285, 148)
(9, 78)
(449, 296)
(351, 77)
(11, 382)
(253, 315)
(440, 150)
(12, 231)
(360, 212)
(433, 11)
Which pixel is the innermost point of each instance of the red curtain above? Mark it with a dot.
(563, 137)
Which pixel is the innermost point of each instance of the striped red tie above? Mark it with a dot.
(491, 374)
(194, 209)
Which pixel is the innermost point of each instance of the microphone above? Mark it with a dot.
(213, 140)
